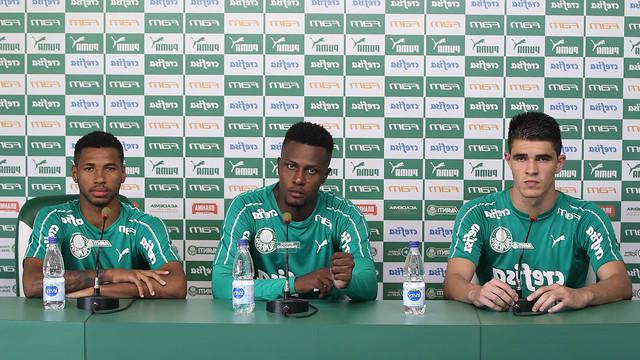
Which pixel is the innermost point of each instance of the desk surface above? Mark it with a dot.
(355, 330)
(599, 332)
(29, 332)
(193, 329)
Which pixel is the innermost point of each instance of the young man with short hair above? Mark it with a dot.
(567, 235)
(334, 256)
(136, 256)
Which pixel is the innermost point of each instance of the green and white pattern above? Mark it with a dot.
(201, 93)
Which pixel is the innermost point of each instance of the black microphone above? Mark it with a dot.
(524, 306)
(97, 302)
(286, 219)
(106, 211)
(287, 305)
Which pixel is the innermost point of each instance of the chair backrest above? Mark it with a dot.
(26, 217)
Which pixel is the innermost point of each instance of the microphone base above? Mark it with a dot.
(523, 307)
(98, 303)
(287, 306)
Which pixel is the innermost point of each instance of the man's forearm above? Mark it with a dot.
(459, 289)
(363, 284)
(615, 288)
(264, 289)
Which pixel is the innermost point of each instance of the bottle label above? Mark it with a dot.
(53, 289)
(242, 292)
(413, 294)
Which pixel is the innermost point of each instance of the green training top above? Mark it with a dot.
(335, 225)
(565, 240)
(134, 241)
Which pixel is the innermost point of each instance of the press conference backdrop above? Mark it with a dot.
(201, 92)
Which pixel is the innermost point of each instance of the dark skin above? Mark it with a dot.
(99, 173)
(301, 170)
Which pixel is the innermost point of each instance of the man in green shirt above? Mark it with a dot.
(334, 256)
(136, 251)
(566, 235)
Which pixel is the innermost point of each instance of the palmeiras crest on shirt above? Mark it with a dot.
(265, 240)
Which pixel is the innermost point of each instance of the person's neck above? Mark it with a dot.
(93, 214)
(535, 206)
(297, 213)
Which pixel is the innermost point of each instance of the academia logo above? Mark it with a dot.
(402, 210)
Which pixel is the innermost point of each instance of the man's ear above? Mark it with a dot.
(561, 161)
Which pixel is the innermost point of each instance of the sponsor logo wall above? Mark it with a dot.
(201, 93)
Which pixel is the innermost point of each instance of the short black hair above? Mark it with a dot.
(535, 126)
(98, 139)
(310, 134)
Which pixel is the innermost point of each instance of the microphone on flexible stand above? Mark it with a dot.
(522, 305)
(287, 305)
(97, 302)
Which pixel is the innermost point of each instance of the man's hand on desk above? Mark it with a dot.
(319, 280)
(556, 297)
(142, 279)
(342, 268)
(494, 294)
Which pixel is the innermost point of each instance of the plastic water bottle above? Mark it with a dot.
(413, 286)
(53, 281)
(242, 288)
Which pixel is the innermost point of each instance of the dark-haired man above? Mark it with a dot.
(566, 235)
(136, 251)
(334, 256)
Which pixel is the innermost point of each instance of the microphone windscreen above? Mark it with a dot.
(286, 218)
(106, 211)
(533, 216)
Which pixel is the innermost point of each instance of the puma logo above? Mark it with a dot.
(121, 254)
(320, 245)
(556, 240)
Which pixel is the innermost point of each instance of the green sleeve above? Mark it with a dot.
(353, 237)
(47, 223)
(467, 234)
(153, 242)
(597, 237)
(238, 221)
(264, 289)
(363, 284)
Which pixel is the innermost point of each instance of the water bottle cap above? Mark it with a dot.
(52, 240)
(243, 242)
(414, 244)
